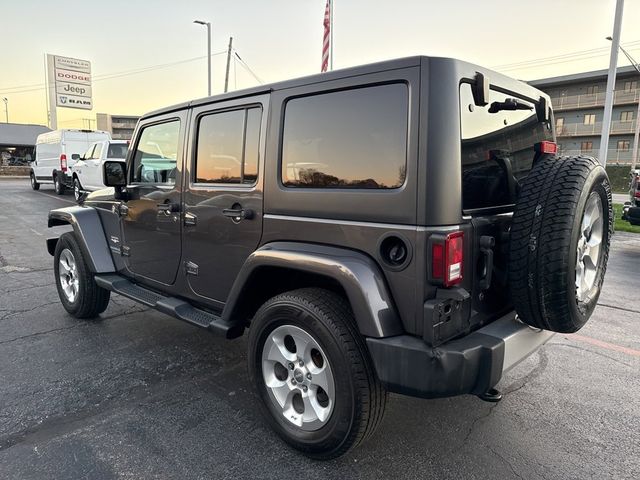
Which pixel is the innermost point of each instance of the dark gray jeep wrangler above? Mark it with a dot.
(397, 227)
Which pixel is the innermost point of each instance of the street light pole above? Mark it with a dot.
(636, 136)
(6, 108)
(208, 24)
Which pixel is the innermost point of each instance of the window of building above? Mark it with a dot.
(623, 145)
(630, 85)
(156, 154)
(589, 118)
(348, 139)
(626, 116)
(592, 89)
(227, 150)
(586, 146)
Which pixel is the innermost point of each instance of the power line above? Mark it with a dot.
(243, 63)
(556, 59)
(109, 76)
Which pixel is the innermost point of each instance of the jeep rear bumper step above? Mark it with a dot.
(472, 364)
(170, 305)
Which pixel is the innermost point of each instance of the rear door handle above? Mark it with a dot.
(169, 207)
(238, 214)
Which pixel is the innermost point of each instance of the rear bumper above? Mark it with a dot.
(472, 364)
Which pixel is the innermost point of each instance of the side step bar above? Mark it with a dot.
(170, 305)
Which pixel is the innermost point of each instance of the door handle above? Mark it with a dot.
(238, 214)
(169, 207)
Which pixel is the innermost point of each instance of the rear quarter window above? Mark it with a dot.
(354, 139)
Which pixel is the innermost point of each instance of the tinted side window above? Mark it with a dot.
(117, 150)
(348, 139)
(227, 148)
(156, 154)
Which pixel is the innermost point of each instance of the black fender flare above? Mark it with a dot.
(89, 233)
(359, 276)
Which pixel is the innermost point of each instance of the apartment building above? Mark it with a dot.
(120, 126)
(578, 103)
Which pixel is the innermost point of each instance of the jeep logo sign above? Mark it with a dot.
(72, 78)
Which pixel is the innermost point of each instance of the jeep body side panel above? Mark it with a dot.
(365, 237)
(89, 234)
(356, 273)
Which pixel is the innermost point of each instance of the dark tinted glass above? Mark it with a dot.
(219, 156)
(223, 139)
(117, 150)
(497, 149)
(348, 139)
(252, 143)
(156, 153)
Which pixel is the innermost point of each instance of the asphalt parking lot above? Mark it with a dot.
(138, 395)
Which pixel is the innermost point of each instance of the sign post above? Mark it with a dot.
(69, 84)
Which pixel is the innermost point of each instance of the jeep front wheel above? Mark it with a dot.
(77, 289)
(312, 372)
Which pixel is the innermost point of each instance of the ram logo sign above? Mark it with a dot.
(72, 79)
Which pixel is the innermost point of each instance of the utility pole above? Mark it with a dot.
(611, 81)
(6, 107)
(226, 76)
(208, 25)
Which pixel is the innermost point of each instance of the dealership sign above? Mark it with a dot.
(72, 79)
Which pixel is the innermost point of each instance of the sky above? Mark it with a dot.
(281, 39)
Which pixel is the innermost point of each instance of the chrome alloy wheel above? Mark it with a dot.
(589, 242)
(298, 377)
(68, 273)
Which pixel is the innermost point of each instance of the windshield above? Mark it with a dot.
(497, 147)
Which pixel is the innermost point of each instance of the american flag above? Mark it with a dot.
(326, 38)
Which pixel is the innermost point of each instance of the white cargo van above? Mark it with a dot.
(56, 152)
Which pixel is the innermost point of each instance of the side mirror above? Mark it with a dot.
(114, 174)
(75, 156)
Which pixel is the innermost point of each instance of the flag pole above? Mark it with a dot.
(331, 35)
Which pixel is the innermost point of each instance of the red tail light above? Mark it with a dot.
(637, 194)
(63, 162)
(447, 258)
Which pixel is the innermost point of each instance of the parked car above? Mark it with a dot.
(398, 227)
(86, 173)
(57, 152)
(631, 209)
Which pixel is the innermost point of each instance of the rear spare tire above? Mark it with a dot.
(559, 244)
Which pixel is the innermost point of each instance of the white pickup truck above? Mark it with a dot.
(87, 171)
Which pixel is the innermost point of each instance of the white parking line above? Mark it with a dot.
(36, 232)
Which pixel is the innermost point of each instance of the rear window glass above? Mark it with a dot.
(347, 139)
(117, 150)
(497, 149)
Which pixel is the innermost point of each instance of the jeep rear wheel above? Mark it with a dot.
(312, 372)
(77, 289)
(560, 243)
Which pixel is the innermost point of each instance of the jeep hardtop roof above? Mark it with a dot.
(438, 64)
